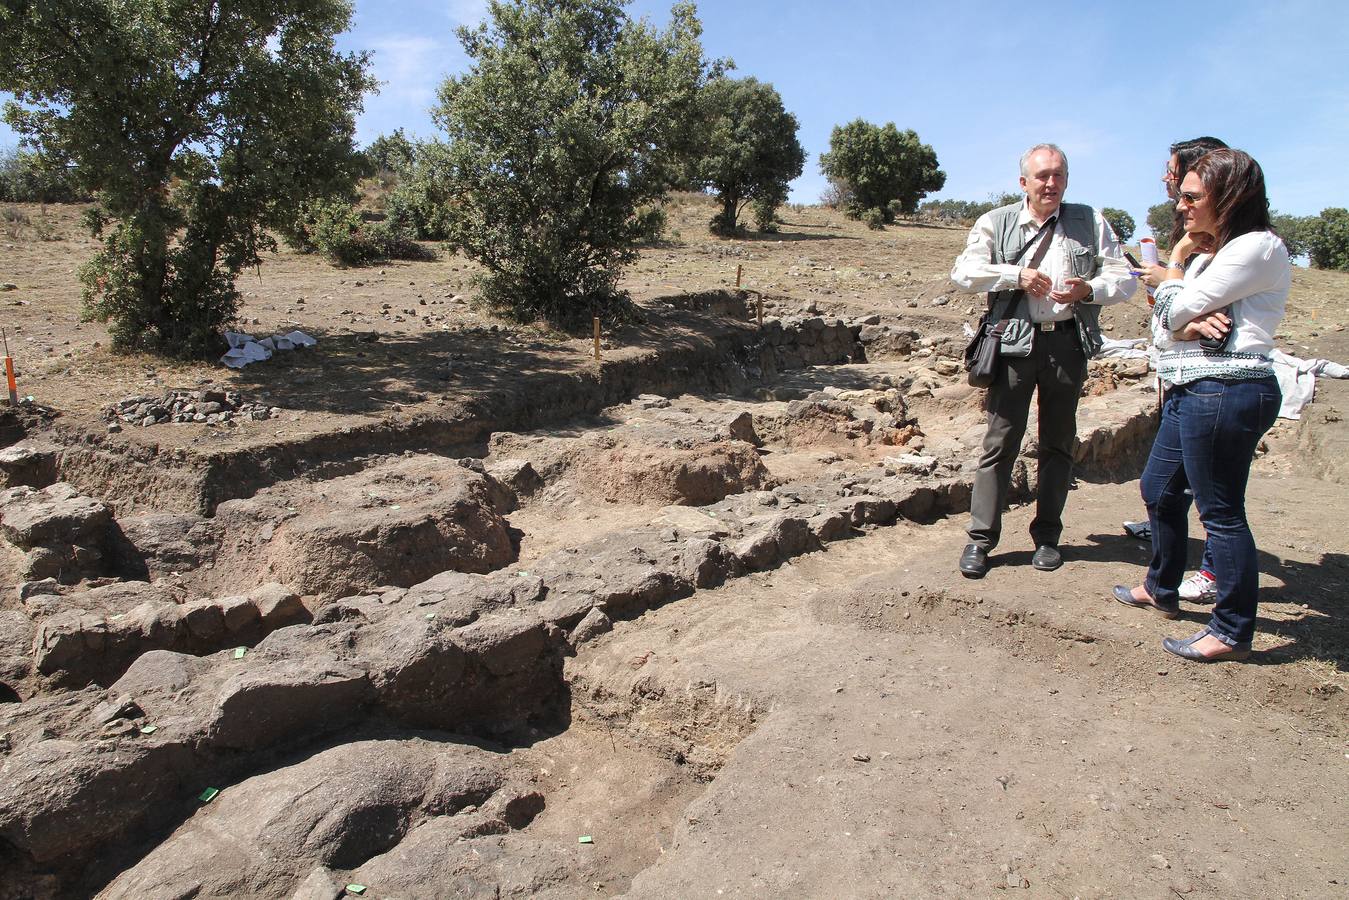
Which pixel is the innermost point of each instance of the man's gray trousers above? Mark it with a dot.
(1056, 367)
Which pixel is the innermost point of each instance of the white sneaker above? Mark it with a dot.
(1201, 587)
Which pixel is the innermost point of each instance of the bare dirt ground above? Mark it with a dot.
(699, 605)
(934, 737)
(422, 314)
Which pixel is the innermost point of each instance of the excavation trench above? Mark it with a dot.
(679, 349)
(376, 606)
(356, 752)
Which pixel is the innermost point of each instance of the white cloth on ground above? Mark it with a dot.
(1127, 348)
(1297, 380)
(245, 349)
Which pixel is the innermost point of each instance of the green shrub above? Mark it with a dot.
(748, 151)
(195, 299)
(334, 229)
(650, 224)
(964, 212)
(388, 241)
(1327, 239)
(873, 218)
(766, 217)
(30, 178)
(420, 199)
(1295, 232)
(1160, 219)
(1120, 221)
(886, 169)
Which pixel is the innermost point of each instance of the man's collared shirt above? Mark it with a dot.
(973, 272)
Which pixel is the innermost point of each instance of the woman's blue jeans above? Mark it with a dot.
(1207, 438)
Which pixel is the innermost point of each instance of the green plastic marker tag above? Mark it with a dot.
(395, 506)
(585, 839)
(430, 615)
(239, 652)
(356, 889)
(522, 574)
(149, 729)
(208, 795)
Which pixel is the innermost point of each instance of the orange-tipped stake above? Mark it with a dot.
(9, 371)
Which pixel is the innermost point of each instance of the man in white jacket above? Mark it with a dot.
(1049, 304)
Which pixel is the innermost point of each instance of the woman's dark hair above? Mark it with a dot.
(1187, 153)
(1235, 186)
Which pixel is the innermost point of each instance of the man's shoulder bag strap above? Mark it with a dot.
(1046, 231)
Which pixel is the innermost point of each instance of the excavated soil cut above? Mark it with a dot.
(488, 651)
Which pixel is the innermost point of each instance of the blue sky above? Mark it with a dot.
(981, 81)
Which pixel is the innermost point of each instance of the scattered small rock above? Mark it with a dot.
(209, 406)
(911, 463)
(946, 367)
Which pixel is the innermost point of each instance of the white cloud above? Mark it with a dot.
(409, 67)
(467, 12)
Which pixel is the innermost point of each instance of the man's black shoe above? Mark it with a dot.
(1046, 558)
(974, 561)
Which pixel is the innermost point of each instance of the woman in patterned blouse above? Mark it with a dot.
(1219, 399)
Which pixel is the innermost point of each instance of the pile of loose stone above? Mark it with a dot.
(208, 406)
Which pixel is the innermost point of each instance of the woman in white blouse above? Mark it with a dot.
(1218, 401)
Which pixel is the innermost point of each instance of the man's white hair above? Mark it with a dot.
(1025, 157)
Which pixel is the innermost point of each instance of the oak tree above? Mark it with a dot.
(749, 151)
(884, 171)
(199, 124)
(571, 118)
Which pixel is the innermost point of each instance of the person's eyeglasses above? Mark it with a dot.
(1191, 197)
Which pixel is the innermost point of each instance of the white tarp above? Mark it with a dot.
(246, 349)
(1297, 380)
(1297, 377)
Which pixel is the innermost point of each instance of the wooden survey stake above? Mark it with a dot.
(758, 306)
(739, 269)
(597, 338)
(9, 371)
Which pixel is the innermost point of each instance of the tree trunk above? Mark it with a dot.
(730, 208)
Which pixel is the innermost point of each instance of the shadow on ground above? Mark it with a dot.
(1322, 635)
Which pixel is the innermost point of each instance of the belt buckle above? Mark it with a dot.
(1047, 326)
